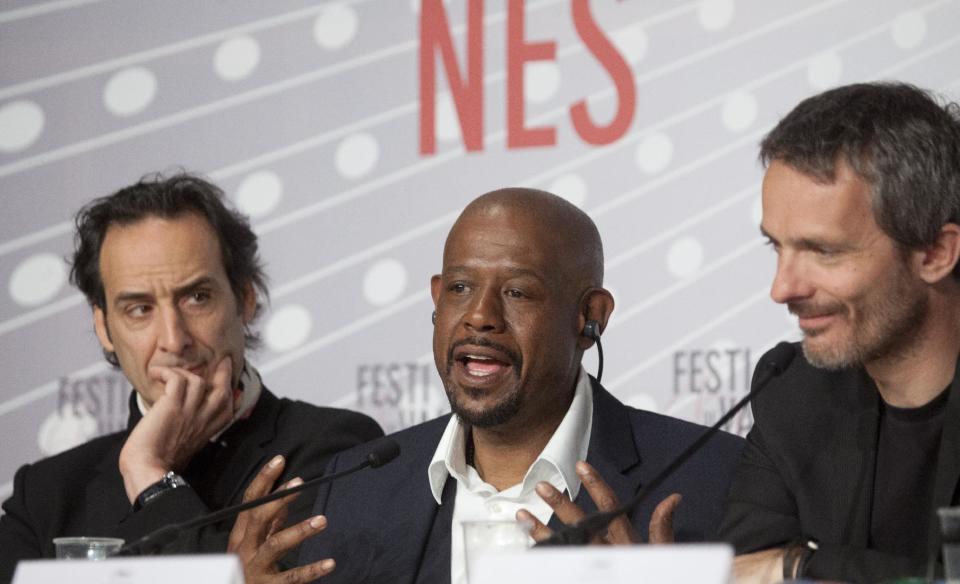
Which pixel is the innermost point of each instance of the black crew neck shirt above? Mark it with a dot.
(907, 448)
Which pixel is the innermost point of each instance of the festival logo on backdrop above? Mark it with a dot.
(399, 395)
(87, 407)
(708, 382)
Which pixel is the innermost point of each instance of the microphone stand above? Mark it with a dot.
(581, 532)
(382, 453)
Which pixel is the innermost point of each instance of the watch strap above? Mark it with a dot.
(169, 482)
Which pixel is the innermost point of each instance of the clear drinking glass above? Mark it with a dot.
(482, 538)
(86, 548)
(950, 536)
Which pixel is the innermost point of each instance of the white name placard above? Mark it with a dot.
(209, 569)
(660, 564)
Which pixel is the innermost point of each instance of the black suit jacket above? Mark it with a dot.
(80, 491)
(808, 471)
(385, 526)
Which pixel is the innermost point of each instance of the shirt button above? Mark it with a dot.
(494, 507)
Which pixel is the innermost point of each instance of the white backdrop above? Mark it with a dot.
(310, 116)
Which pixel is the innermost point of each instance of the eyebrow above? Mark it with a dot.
(808, 243)
(179, 291)
(513, 271)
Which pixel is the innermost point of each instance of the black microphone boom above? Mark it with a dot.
(774, 362)
(381, 453)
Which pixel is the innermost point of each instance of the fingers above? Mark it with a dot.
(602, 495)
(565, 509)
(263, 482)
(661, 522)
(278, 544)
(259, 541)
(539, 531)
(217, 405)
(620, 530)
(258, 487)
(220, 396)
(223, 375)
(207, 404)
(223, 386)
(174, 385)
(262, 518)
(307, 573)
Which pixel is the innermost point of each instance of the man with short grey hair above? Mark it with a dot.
(857, 444)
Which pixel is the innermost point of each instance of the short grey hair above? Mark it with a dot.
(895, 136)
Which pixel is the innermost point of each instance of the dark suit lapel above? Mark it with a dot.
(612, 450)
(246, 438)
(105, 494)
(948, 460)
(434, 562)
(415, 543)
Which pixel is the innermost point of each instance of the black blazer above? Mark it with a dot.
(385, 526)
(80, 491)
(808, 471)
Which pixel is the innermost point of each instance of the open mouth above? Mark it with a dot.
(480, 365)
(479, 361)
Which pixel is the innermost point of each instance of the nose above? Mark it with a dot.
(174, 335)
(486, 312)
(789, 283)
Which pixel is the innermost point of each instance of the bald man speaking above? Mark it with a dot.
(531, 434)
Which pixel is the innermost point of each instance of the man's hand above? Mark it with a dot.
(180, 422)
(759, 567)
(620, 530)
(259, 541)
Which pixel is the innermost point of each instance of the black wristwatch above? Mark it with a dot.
(799, 555)
(810, 546)
(169, 482)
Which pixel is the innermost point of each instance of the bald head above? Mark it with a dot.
(522, 275)
(560, 226)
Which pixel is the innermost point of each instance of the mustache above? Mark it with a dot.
(806, 309)
(512, 356)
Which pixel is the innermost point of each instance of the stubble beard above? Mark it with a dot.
(500, 413)
(890, 325)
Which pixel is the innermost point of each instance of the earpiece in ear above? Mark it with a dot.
(591, 330)
(433, 317)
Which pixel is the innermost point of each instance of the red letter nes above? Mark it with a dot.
(467, 90)
(467, 95)
(519, 52)
(613, 62)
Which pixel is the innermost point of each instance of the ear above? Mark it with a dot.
(248, 306)
(596, 304)
(100, 326)
(937, 261)
(435, 289)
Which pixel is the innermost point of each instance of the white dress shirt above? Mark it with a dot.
(477, 500)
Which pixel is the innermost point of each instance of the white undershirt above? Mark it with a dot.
(477, 500)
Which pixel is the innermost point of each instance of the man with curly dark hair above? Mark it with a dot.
(174, 281)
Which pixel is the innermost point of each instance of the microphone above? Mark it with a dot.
(380, 454)
(774, 362)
